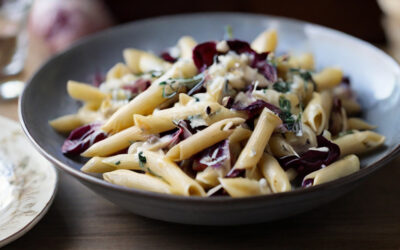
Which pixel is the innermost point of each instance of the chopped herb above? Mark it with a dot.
(292, 122)
(281, 86)
(196, 99)
(156, 73)
(343, 133)
(175, 84)
(228, 32)
(118, 162)
(142, 159)
(306, 75)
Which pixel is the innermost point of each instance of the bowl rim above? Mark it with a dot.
(85, 177)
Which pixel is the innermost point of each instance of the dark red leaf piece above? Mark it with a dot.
(203, 55)
(138, 86)
(215, 156)
(82, 138)
(336, 118)
(256, 107)
(98, 78)
(312, 160)
(167, 57)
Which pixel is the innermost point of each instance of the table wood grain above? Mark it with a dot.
(366, 218)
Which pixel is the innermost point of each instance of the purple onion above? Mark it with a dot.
(82, 138)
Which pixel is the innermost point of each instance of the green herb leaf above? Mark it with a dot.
(228, 32)
(118, 162)
(142, 159)
(343, 133)
(174, 85)
(306, 75)
(281, 86)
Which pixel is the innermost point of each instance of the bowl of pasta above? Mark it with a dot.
(192, 121)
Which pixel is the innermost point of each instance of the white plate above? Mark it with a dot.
(28, 183)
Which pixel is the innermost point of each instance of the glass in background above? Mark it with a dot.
(13, 45)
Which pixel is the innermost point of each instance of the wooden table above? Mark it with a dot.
(366, 218)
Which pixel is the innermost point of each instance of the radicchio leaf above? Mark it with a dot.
(312, 160)
(138, 86)
(98, 78)
(256, 107)
(167, 57)
(82, 138)
(182, 132)
(236, 173)
(215, 156)
(203, 55)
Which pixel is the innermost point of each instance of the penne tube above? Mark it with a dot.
(274, 174)
(148, 100)
(96, 165)
(116, 142)
(291, 174)
(258, 140)
(280, 147)
(239, 134)
(85, 92)
(359, 142)
(117, 72)
(242, 187)
(346, 166)
(201, 113)
(186, 45)
(132, 179)
(316, 115)
(140, 61)
(123, 161)
(181, 183)
(358, 124)
(66, 123)
(303, 61)
(266, 41)
(328, 78)
(208, 178)
(203, 139)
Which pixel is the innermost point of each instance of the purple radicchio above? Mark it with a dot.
(98, 78)
(255, 108)
(312, 159)
(167, 57)
(204, 54)
(82, 138)
(215, 156)
(138, 86)
(182, 132)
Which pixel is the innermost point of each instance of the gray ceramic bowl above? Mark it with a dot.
(374, 74)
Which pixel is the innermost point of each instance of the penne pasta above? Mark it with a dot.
(203, 139)
(123, 161)
(85, 92)
(116, 142)
(66, 123)
(328, 78)
(166, 169)
(242, 187)
(132, 179)
(316, 115)
(336, 170)
(266, 41)
(201, 113)
(359, 142)
(258, 140)
(96, 165)
(274, 174)
(186, 45)
(117, 72)
(358, 124)
(148, 100)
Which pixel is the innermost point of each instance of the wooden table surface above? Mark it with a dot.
(365, 218)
